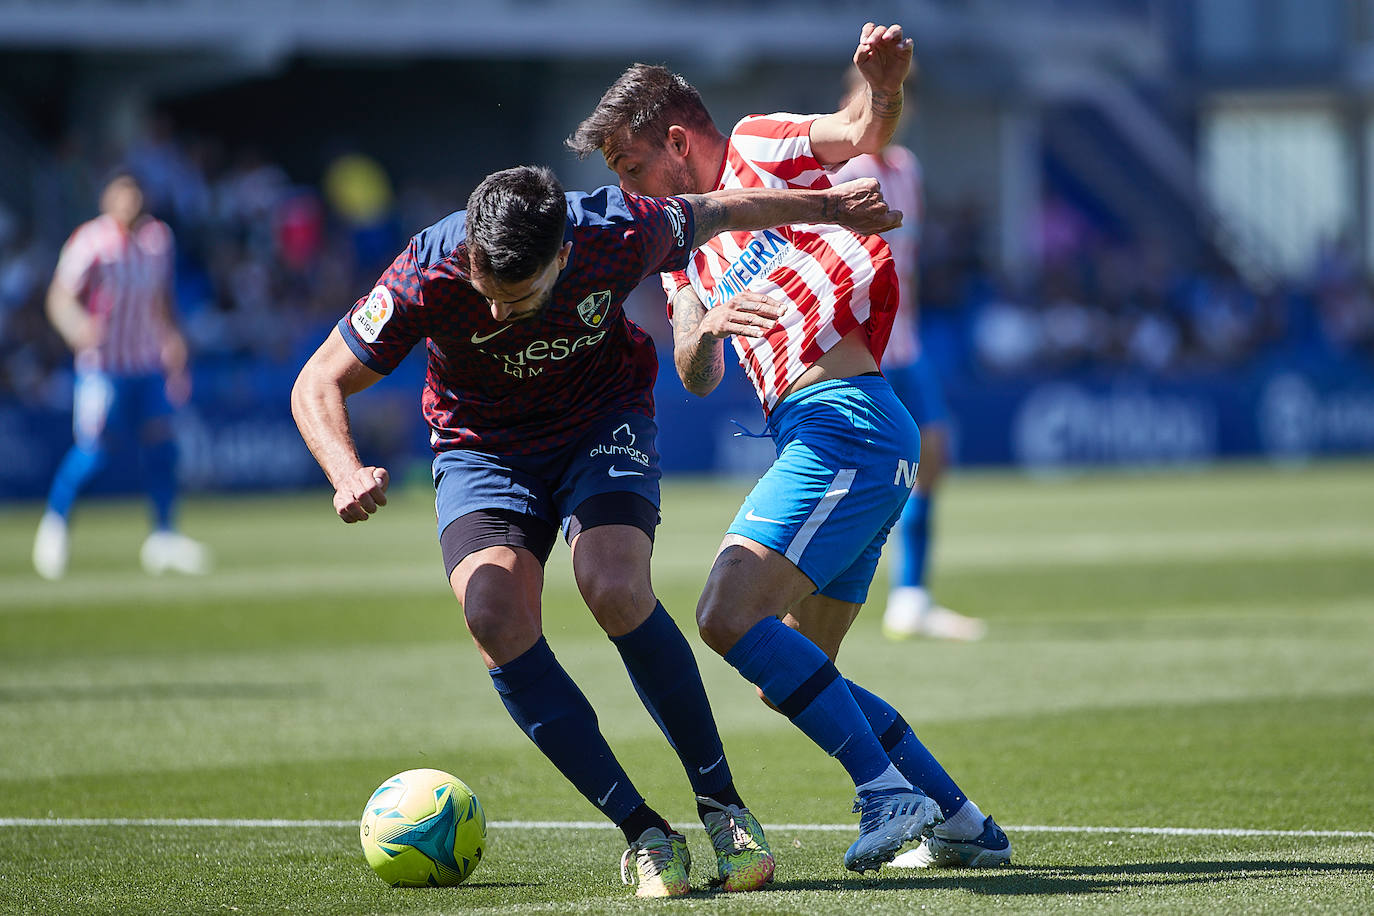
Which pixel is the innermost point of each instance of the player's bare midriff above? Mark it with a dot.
(848, 358)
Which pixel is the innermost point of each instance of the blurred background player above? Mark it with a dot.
(910, 610)
(111, 301)
(809, 308)
(540, 401)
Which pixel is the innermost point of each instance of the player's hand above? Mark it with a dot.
(746, 314)
(178, 388)
(883, 56)
(361, 494)
(859, 205)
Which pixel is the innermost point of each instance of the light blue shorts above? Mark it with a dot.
(847, 454)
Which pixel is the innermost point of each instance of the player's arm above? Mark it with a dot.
(175, 352)
(699, 334)
(869, 117)
(69, 317)
(857, 205)
(328, 379)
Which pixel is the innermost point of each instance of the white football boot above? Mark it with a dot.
(50, 547)
(167, 551)
(988, 849)
(910, 612)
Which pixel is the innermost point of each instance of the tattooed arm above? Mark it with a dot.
(856, 205)
(869, 117)
(699, 334)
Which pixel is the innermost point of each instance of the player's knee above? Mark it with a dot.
(498, 627)
(618, 598)
(719, 628)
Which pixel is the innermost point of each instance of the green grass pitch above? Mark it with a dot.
(1173, 656)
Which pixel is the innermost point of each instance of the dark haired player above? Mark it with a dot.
(539, 398)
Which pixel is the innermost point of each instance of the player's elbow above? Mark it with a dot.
(698, 383)
(306, 393)
(700, 389)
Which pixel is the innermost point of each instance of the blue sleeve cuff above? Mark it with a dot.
(364, 355)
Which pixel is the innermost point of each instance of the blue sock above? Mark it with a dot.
(78, 467)
(801, 681)
(907, 752)
(160, 478)
(549, 707)
(665, 675)
(913, 540)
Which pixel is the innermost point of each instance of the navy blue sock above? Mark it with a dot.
(905, 750)
(914, 541)
(549, 707)
(79, 465)
(665, 675)
(801, 681)
(160, 479)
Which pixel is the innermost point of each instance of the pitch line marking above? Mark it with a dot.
(602, 825)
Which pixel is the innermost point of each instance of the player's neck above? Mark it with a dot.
(708, 179)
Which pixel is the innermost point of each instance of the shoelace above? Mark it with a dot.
(877, 809)
(738, 836)
(657, 852)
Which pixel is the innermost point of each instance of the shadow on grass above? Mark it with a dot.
(1016, 880)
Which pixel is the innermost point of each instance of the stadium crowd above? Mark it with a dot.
(267, 259)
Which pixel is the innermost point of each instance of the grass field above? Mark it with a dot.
(1173, 712)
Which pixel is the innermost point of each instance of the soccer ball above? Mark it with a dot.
(423, 828)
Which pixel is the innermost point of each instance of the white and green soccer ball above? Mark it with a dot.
(423, 828)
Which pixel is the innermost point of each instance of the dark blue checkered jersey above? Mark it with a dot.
(535, 384)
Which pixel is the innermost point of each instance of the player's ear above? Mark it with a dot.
(563, 254)
(679, 141)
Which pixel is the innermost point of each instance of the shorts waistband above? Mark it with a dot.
(867, 382)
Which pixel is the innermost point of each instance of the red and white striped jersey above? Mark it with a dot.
(830, 280)
(120, 276)
(899, 172)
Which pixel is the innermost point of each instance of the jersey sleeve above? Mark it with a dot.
(779, 145)
(384, 325)
(75, 263)
(665, 226)
(672, 282)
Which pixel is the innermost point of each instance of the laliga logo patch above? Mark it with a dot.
(369, 320)
(593, 309)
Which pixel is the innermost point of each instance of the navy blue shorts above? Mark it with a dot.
(613, 471)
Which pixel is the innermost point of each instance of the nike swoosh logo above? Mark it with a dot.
(759, 518)
(704, 770)
(601, 802)
(617, 472)
(483, 339)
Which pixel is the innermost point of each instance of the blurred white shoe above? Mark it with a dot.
(910, 612)
(50, 546)
(167, 551)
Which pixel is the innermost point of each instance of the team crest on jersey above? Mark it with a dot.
(593, 309)
(369, 320)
